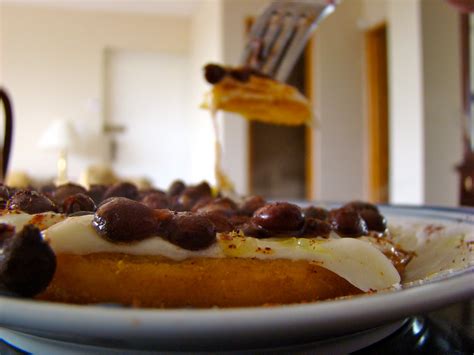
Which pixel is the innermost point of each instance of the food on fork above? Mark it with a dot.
(255, 96)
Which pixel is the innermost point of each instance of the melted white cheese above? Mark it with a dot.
(355, 260)
(19, 219)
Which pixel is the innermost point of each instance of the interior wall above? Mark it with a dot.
(52, 64)
(338, 149)
(442, 101)
(205, 47)
(424, 98)
(1, 46)
(374, 12)
(234, 127)
(406, 127)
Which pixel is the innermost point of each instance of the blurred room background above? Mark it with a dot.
(389, 82)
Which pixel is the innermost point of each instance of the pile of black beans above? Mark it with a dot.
(189, 215)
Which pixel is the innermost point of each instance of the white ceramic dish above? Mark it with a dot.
(244, 328)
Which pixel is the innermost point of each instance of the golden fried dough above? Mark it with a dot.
(261, 99)
(147, 281)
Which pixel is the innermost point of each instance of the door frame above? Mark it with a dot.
(376, 64)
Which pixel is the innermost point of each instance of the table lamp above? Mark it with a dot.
(59, 136)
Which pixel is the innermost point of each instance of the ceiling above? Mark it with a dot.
(162, 7)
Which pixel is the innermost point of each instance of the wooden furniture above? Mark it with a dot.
(466, 168)
(8, 132)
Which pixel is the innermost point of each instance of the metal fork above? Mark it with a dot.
(280, 33)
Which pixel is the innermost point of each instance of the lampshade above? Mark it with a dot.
(58, 135)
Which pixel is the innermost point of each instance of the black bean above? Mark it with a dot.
(48, 190)
(163, 218)
(316, 212)
(222, 205)
(4, 192)
(214, 73)
(156, 200)
(122, 189)
(78, 203)
(30, 202)
(240, 74)
(6, 232)
(176, 188)
(374, 220)
(203, 189)
(251, 229)
(314, 227)
(191, 231)
(28, 263)
(360, 205)
(97, 192)
(192, 194)
(238, 220)
(221, 222)
(251, 204)
(64, 191)
(152, 191)
(347, 222)
(279, 216)
(123, 220)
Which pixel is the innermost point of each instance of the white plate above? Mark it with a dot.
(244, 328)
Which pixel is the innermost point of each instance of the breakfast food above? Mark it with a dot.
(25, 207)
(255, 96)
(188, 248)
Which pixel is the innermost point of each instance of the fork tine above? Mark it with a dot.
(280, 34)
(273, 31)
(253, 47)
(288, 58)
(298, 43)
(280, 45)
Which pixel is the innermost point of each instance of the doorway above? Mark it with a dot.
(278, 154)
(280, 158)
(377, 95)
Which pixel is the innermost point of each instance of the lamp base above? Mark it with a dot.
(62, 168)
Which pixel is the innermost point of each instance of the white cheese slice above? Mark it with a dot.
(19, 219)
(355, 260)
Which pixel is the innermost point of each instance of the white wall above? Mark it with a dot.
(425, 97)
(405, 102)
(442, 101)
(206, 46)
(218, 35)
(156, 140)
(374, 12)
(52, 63)
(339, 145)
(234, 128)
